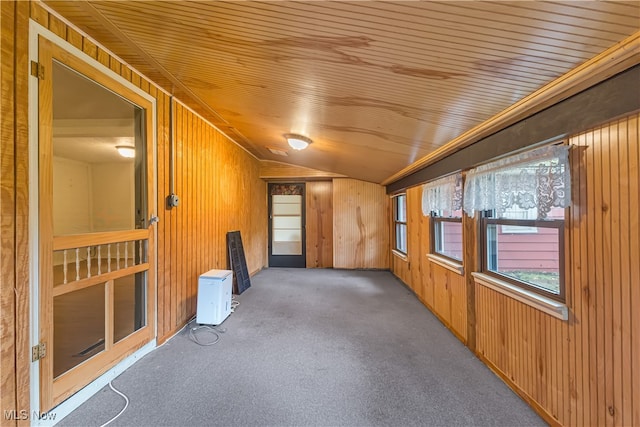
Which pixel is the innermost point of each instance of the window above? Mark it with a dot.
(523, 199)
(531, 259)
(400, 222)
(442, 200)
(446, 232)
(517, 213)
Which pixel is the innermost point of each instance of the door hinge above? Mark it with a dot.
(38, 351)
(37, 70)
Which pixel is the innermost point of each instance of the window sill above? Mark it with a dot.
(547, 305)
(400, 255)
(446, 263)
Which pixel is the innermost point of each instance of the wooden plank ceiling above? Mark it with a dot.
(377, 85)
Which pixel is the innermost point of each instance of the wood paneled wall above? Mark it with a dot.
(217, 181)
(584, 371)
(360, 242)
(220, 190)
(322, 243)
(319, 224)
(442, 290)
(14, 211)
(360, 225)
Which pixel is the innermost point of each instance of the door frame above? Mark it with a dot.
(293, 261)
(35, 32)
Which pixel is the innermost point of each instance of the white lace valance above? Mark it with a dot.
(536, 179)
(442, 194)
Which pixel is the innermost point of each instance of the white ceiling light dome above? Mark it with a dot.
(126, 151)
(297, 142)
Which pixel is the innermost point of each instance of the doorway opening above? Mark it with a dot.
(287, 225)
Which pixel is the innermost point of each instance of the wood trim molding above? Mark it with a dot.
(67, 384)
(471, 259)
(614, 60)
(101, 278)
(22, 208)
(453, 266)
(101, 238)
(400, 255)
(546, 305)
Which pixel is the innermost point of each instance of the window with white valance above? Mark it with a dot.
(444, 194)
(442, 201)
(537, 179)
(522, 200)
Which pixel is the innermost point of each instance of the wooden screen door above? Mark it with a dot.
(96, 244)
(287, 225)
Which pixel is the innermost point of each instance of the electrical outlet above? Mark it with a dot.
(173, 200)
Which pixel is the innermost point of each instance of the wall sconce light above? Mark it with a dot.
(126, 151)
(297, 142)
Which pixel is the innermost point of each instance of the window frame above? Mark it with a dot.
(396, 222)
(527, 214)
(558, 224)
(434, 220)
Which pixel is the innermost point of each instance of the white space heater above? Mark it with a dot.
(214, 297)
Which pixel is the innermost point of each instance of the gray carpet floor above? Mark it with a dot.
(314, 348)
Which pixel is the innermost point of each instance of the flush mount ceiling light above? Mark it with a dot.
(297, 142)
(126, 151)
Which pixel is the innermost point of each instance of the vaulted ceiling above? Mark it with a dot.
(377, 85)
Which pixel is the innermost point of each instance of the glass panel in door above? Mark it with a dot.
(95, 189)
(286, 232)
(287, 225)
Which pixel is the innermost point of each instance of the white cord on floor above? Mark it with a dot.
(126, 405)
(215, 330)
(194, 338)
